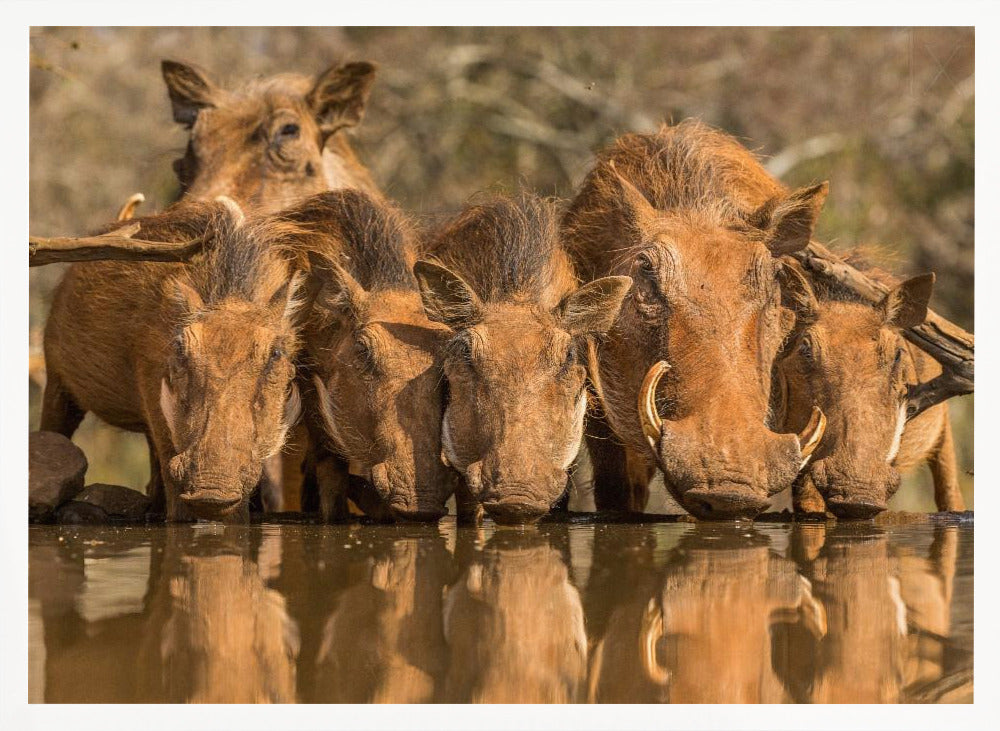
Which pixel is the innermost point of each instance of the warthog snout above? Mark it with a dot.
(851, 496)
(721, 467)
(397, 486)
(514, 499)
(212, 494)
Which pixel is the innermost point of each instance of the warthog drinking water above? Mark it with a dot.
(197, 356)
(516, 398)
(700, 226)
(850, 358)
(374, 389)
(273, 142)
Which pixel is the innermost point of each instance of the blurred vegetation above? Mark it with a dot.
(887, 115)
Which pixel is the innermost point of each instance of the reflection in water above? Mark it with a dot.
(668, 613)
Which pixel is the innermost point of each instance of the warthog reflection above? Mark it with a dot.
(625, 613)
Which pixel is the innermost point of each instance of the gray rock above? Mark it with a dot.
(121, 504)
(56, 468)
(75, 512)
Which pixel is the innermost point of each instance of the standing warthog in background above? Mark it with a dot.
(516, 398)
(700, 226)
(850, 358)
(196, 356)
(274, 141)
(374, 390)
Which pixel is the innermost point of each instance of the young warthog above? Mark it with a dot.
(375, 389)
(197, 356)
(272, 142)
(700, 226)
(516, 399)
(850, 358)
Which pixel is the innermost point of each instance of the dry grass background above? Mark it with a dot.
(887, 115)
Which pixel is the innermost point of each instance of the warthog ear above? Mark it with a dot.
(185, 296)
(338, 100)
(283, 303)
(335, 289)
(635, 207)
(906, 305)
(789, 223)
(446, 296)
(190, 90)
(592, 309)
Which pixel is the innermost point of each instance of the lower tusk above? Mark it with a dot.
(649, 417)
(809, 438)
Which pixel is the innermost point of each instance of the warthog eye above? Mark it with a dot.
(274, 356)
(806, 349)
(365, 356)
(288, 131)
(569, 361)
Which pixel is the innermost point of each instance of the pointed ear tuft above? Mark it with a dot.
(336, 291)
(186, 296)
(635, 209)
(789, 223)
(906, 305)
(446, 296)
(593, 308)
(190, 90)
(339, 97)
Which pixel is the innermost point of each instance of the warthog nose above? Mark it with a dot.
(724, 502)
(854, 509)
(514, 513)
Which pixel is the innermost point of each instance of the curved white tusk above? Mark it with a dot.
(649, 418)
(809, 438)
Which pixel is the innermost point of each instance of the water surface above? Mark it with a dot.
(659, 612)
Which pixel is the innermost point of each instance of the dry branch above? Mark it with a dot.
(117, 245)
(947, 343)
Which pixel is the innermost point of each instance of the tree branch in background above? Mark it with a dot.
(947, 343)
(117, 245)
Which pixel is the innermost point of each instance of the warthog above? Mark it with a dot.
(700, 226)
(850, 358)
(196, 356)
(274, 141)
(516, 398)
(375, 389)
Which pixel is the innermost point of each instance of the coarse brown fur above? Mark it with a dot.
(197, 356)
(514, 417)
(699, 225)
(371, 359)
(850, 358)
(273, 141)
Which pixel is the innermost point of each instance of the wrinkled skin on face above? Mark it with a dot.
(706, 299)
(380, 393)
(516, 398)
(227, 397)
(850, 359)
(273, 142)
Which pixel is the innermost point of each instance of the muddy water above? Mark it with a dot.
(665, 612)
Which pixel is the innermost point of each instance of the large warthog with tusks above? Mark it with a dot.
(505, 288)
(850, 358)
(373, 392)
(685, 374)
(197, 356)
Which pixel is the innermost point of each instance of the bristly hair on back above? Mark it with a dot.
(504, 247)
(372, 239)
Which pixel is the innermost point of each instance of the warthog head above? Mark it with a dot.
(697, 337)
(264, 144)
(227, 394)
(849, 358)
(374, 353)
(514, 365)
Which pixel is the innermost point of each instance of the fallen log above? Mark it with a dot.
(116, 245)
(946, 342)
